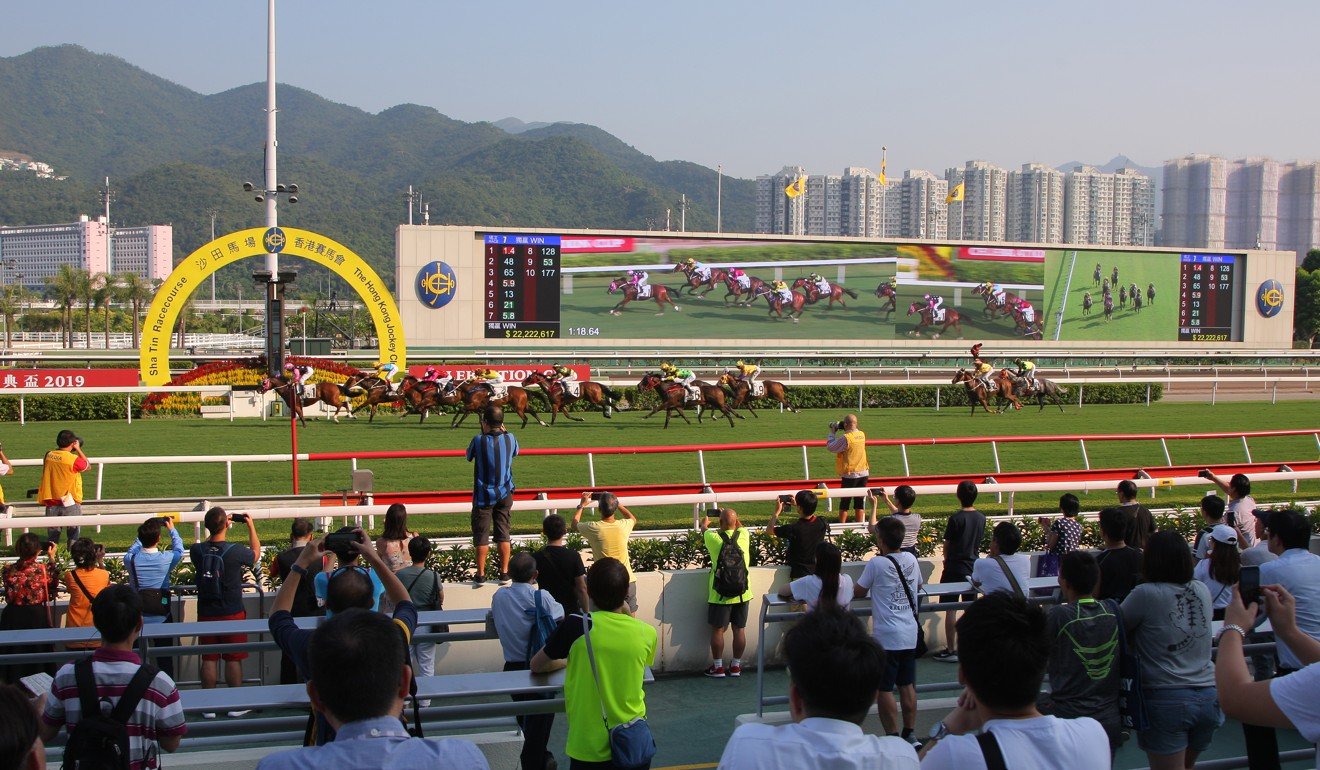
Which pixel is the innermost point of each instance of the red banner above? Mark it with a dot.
(55, 379)
(578, 245)
(512, 373)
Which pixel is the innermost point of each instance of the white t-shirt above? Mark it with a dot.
(815, 743)
(1220, 594)
(807, 589)
(1039, 743)
(892, 621)
(1294, 694)
(990, 576)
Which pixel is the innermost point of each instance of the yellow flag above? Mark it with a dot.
(881, 177)
(796, 187)
(956, 194)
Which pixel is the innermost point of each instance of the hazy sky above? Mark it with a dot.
(757, 84)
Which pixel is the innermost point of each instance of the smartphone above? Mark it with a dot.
(238, 518)
(596, 496)
(786, 499)
(1204, 473)
(876, 492)
(1249, 585)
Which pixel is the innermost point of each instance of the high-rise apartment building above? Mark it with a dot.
(924, 214)
(1134, 209)
(982, 214)
(1035, 204)
(775, 211)
(1299, 207)
(147, 251)
(824, 205)
(33, 253)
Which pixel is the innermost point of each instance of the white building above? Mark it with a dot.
(775, 211)
(1035, 204)
(983, 213)
(32, 253)
(147, 251)
(924, 214)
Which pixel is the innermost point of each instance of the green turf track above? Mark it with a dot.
(1158, 322)
(194, 437)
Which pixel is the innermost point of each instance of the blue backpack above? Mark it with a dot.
(543, 625)
(211, 573)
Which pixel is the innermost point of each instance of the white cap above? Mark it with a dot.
(1224, 534)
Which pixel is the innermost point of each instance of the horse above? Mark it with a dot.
(658, 293)
(715, 277)
(474, 398)
(424, 396)
(951, 318)
(1109, 307)
(673, 398)
(1150, 294)
(1003, 390)
(1096, 276)
(736, 290)
(559, 399)
(1087, 303)
(814, 295)
(326, 392)
(976, 391)
(798, 302)
(1021, 326)
(1136, 301)
(1115, 275)
(742, 393)
(1122, 296)
(376, 389)
(886, 291)
(993, 306)
(1044, 389)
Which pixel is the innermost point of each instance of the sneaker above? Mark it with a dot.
(916, 744)
(946, 656)
(715, 672)
(735, 670)
(478, 579)
(506, 579)
(208, 715)
(241, 713)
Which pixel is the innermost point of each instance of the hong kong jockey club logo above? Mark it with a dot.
(1269, 298)
(273, 240)
(436, 284)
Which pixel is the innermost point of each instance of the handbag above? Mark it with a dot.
(922, 649)
(631, 743)
(155, 601)
(1131, 699)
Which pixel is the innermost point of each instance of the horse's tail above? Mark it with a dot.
(849, 292)
(610, 395)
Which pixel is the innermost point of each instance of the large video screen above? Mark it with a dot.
(861, 291)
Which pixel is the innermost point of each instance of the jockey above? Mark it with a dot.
(893, 282)
(935, 303)
(1028, 312)
(444, 383)
(822, 286)
(566, 377)
(782, 292)
(1027, 370)
(740, 276)
(981, 369)
(998, 294)
(747, 373)
(386, 371)
(699, 270)
(300, 375)
(684, 377)
(489, 378)
(638, 279)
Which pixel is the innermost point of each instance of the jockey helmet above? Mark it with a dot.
(740, 363)
(928, 298)
(632, 273)
(691, 261)
(288, 367)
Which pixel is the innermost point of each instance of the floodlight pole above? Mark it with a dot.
(271, 276)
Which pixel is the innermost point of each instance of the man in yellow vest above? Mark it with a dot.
(61, 489)
(849, 447)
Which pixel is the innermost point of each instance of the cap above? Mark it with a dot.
(1224, 534)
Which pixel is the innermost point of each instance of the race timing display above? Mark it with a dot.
(522, 286)
(1209, 298)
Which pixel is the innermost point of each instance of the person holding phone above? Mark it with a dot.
(219, 580)
(900, 508)
(802, 537)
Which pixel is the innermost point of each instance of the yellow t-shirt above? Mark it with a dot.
(853, 458)
(609, 539)
(58, 478)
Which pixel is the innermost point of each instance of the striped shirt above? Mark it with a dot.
(158, 714)
(492, 471)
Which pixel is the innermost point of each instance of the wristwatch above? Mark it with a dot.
(938, 732)
(300, 569)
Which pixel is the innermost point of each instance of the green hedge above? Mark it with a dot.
(97, 406)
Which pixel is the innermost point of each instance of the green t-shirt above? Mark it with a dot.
(624, 647)
(713, 545)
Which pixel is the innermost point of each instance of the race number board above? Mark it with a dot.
(522, 286)
(1208, 298)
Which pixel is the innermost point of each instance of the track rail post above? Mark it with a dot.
(937, 398)
(229, 478)
(701, 461)
(293, 432)
(1086, 461)
(806, 464)
(1165, 446)
(994, 449)
(902, 448)
(1246, 449)
(591, 469)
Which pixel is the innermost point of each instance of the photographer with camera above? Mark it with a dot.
(61, 489)
(802, 536)
(342, 544)
(149, 570)
(347, 588)
(219, 580)
(849, 447)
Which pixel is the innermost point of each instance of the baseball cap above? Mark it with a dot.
(1225, 534)
(65, 438)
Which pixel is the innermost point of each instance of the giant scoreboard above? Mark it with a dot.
(522, 286)
(1210, 298)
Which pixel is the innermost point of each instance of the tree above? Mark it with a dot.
(13, 300)
(136, 291)
(1312, 261)
(103, 293)
(1306, 306)
(63, 288)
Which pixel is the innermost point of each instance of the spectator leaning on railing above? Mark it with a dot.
(219, 565)
(608, 537)
(359, 680)
(834, 668)
(149, 569)
(61, 488)
(849, 447)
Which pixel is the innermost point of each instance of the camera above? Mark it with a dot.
(786, 499)
(834, 426)
(341, 543)
(1204, 473)
(238, 518)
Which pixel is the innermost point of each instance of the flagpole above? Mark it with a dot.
(884, 191)
(719, 198)
(962, 214)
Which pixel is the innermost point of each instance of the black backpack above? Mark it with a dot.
(211, 573)
(100, 741)
(730, 568)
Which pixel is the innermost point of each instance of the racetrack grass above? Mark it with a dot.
(1155, 322)
(201, 437)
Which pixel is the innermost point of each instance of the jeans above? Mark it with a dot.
(535, 728)
(53, 533)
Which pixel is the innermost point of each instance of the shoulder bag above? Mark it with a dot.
(1131, 698)
(1008, 573)
(922, 649)
(631, 743)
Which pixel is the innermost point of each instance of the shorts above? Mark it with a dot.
(484, 516)
(858, 503)
(1180, 718)
(956, 576)
(722, 615)
(224, 638)
(900, 669)
(632, 597)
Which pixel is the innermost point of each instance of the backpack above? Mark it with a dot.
(211, 573)
(730, 568)
(100, 740)
(543, 625)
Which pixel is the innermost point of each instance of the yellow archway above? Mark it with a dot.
(189, 274)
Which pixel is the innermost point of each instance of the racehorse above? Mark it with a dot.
(887, 291)
(474, 398)
(673, 398)
(976, 392)
(993, 307)
(798, 302)
(559, 398)
(736, 290)
(951, 318)
(1122, 296)
(658, 293)
(1096, 276)
(813, 295)
(1021, 326)
(326, 392)
(1044, 389)
(424, 396)
(1109, 307)
(376, 389)
(716, 276)
(1087, 303)
(1136, 301)
(742, 393)
(1150, 294)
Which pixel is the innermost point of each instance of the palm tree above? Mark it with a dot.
(13, 299)
(62, 288)
(87, 295)
(103, 293)
(185, 310)
(136, 291)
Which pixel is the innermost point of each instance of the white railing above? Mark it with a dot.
(23, 393)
